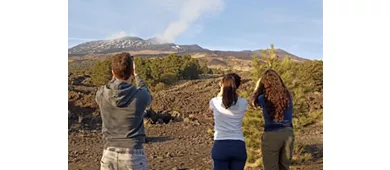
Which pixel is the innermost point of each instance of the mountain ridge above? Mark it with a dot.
(156, 46)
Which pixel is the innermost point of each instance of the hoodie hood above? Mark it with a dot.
(119, 93)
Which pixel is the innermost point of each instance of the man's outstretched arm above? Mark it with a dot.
(142, 85)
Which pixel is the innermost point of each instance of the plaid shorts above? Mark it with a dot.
(123, 159)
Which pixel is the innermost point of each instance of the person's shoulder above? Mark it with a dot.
(213, 102)
(242, 101)
(99, 90)
(260, 100)
(261, 97)
(242, 105)
(142, 92)
(214, 99)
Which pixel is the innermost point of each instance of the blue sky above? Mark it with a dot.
(295, 26)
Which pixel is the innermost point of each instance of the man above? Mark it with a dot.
(122, 106)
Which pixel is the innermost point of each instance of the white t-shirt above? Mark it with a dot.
(228, 122)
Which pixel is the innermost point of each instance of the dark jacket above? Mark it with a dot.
(271, 125)
(121, 107)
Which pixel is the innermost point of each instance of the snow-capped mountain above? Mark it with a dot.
(156, 46)
(130, 44)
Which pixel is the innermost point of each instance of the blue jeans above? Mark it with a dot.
(228, 155)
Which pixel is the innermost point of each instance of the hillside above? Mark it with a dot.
(152, 47)
(178, 125)
(182, 142)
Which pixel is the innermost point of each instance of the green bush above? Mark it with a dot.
(81, 67)
(168, 78)
(190, 69)
(167, 70)
(101, 72)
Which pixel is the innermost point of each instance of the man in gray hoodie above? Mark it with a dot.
(121, 107)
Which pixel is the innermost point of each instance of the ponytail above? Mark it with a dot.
(230, 83)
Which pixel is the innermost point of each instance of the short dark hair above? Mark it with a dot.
(122, 65)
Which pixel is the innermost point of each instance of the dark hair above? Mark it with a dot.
(276, 95)
(122, 65)
(230, 83)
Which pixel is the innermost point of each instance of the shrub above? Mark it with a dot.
(190, 69)
(101, 72)
(80, 67)
(168, 69)
(159, 86)
(168, 78)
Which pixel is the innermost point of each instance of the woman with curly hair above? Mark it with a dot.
(278, 139)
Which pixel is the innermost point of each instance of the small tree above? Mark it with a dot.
(191, 69)
(101, 72)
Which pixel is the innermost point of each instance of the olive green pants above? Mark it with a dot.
(277, 149)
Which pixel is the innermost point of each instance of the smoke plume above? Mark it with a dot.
(190, 11)
(117, 35)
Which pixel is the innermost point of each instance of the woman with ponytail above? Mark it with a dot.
(229, 151)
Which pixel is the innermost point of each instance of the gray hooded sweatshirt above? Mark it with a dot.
(121, 107)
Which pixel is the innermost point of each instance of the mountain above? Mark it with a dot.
(155, 46)
(130, 44)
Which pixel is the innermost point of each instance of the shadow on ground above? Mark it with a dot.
(157, 139)
(316, 150)
(82, 118)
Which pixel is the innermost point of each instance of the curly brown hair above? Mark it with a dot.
(276, 95)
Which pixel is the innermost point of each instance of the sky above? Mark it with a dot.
(294, 26)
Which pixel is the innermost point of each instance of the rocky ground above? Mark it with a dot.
(178, 128)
